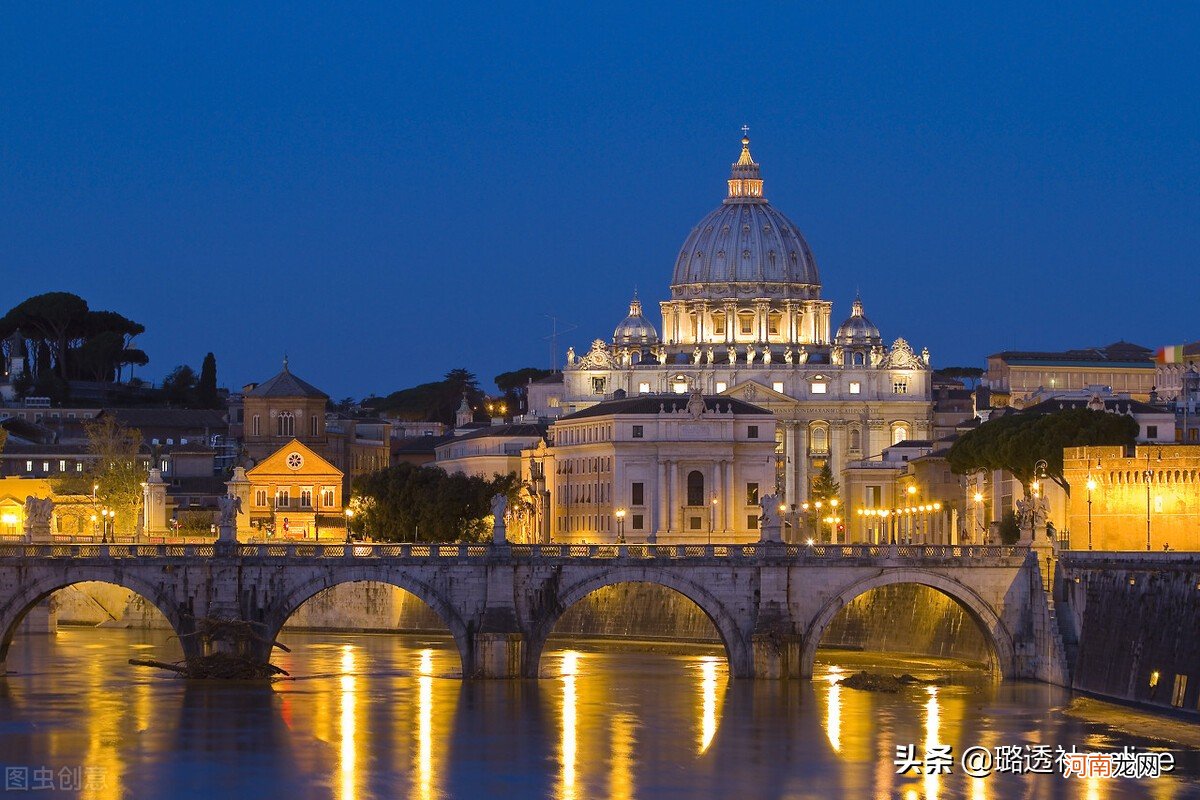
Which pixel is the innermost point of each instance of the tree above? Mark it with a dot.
(1016, 442)
(115, 470)
(421, 503)
(437, 401)
(824, 487)
(970, 375)
(206, 388)
(179, 388)
(52, 317)
(515, 386)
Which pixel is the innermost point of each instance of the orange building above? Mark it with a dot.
(1124, 499)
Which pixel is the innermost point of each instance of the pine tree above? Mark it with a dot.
(206, 389)
(824, 487)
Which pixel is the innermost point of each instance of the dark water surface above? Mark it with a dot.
(385, 716)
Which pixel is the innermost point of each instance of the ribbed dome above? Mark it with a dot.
(857, 329)
(635, 330)
(745, 247)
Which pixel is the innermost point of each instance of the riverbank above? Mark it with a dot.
(1136, 721)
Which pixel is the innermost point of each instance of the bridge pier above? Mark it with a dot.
(776, 656)
(498, 655)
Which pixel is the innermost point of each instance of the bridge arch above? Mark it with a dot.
(14, 608)
(738, 652)
(281, 611)
(995, 633)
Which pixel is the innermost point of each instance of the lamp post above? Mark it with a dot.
(620, 513)
(712, 518)
(1091, 484)
(978, 515)
(834, 519)
(349, 516)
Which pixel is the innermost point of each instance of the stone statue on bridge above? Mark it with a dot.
(499, 510)
(38, 512)
(1032, 513)
(228, 508)
(769, 523)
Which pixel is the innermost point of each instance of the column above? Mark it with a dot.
(727, 510)
(837, 449)
(719, 494)
(789, 474)
(801, 465)
(701, 312)
(672, 515)
(730, 320)
(662, 497)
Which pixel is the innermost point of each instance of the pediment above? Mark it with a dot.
(310, 462)
(758, 394)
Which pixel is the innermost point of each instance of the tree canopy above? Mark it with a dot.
(115, 471)
(435, 402)
(1016, 442)
(422, 503)
(66, 338)
(515, 386)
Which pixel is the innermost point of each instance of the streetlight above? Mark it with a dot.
(1091, 485)
(620, 526)
(834, 519)
(349, 515)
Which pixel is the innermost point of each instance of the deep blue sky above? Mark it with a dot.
(386, 193)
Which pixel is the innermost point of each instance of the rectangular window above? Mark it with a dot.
(644, 387)
(679, 387)
(818, 387)
(313, 427)
(45, 466)
(872, 496)
(752, 521)
(1151, 431)
(597, 385)
(778, 386)
(1193, 434)
(29, 466)
(1179, 691)
(721, 386)
(694, 523)
(900, 387)
(256, 427)
(638, 522)
(751, 431)
(62, 466)
(639, 432)
(747, 324)
(637, 494)
(751, 494)
(79, 466)
(719, 324)
(855, 387)
(283, 498)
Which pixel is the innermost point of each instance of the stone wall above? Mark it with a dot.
(1137, 623)
(908, 618)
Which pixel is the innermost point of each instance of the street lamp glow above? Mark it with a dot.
(1091, 484)
(978, 497)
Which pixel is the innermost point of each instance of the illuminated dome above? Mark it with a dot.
(635, 330)
(857, 329)
(745, 248)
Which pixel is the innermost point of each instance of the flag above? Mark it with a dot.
(1171, 354)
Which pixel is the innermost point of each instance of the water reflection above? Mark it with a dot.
(375, 716)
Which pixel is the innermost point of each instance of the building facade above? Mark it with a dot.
(663, 468)
(1015, 376)
(746, 320)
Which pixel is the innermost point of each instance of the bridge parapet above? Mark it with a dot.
(821, 554)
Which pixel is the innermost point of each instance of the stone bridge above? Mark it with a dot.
(770, 603)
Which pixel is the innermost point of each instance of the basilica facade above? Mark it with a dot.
(746, 320)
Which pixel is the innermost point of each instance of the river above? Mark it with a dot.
(385, 716)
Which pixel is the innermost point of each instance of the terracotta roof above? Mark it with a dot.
(285, 384)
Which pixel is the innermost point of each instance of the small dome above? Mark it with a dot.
(635, 330)
(857, 329)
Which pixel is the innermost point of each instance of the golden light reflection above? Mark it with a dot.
(708, 691)
(570, 665)
(1093, 789)
(103, 759)
(423, 789)
(348, 765)
(624, 737)
(932, 722)
(833, 709)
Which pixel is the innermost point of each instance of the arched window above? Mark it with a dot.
(286, 423)
(899, 432)
(858, 358)
(695, 488)
(819, 439)
(855, 439)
